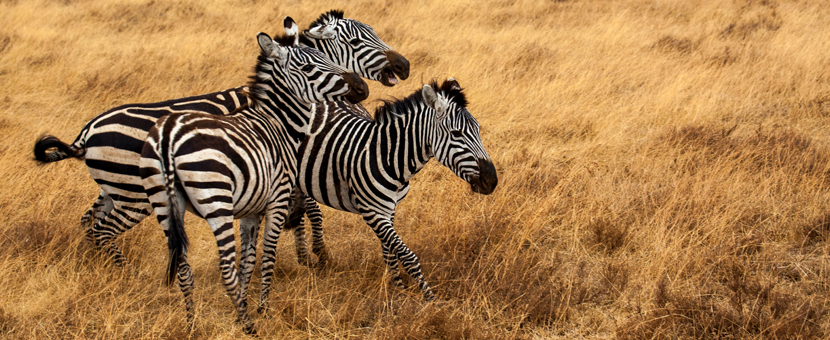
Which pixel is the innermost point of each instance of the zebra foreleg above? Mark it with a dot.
(382, 226)
(395, 250)
(413, 267)
(249, 232)
(392, 266)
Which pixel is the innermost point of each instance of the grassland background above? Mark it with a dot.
(664, 172)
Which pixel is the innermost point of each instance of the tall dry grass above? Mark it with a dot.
(663, 172)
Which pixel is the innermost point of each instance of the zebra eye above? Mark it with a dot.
(354, 41)
(456, 133)
(307, 68)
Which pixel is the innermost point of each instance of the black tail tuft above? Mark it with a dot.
(177, 241)
(63, 150)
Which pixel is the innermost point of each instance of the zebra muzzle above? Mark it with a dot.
(487, 179)
(398, 67)
(358, 90)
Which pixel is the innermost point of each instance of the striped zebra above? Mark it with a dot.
(241, 165)
(111, 143)
(353, 163)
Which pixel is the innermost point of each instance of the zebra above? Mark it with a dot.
(111, 143)
(241, 165)
(353, 163)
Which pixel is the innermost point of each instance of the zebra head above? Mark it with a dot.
(308, 74)
(355, 46)
(455, 140)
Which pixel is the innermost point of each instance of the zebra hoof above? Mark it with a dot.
(262, 309)
(429, 296)
(250, 329)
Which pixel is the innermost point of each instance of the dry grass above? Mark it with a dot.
(664, 172)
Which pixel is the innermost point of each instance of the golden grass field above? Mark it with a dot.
(664, 172)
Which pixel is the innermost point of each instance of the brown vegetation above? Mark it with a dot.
(664, 172)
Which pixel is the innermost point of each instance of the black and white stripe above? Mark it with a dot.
(241, 165)
(111, 143)
(356, 164)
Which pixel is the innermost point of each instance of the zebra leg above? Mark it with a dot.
(296, 210)
(413, 266)
(221, 222)
(184, 278)
(118, 220)
(274, 220)
(315, 216)
(394, 247)
(392, 265)
(99, 209)
(382, 226)
(249, 231)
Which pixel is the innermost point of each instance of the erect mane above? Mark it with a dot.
(326, 17)
(263, 63)
(448, 89)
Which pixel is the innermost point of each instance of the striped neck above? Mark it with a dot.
(404, 131)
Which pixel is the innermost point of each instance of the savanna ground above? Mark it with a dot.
(664, 172)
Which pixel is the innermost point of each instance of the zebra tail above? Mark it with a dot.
(63, 151)
(177, 241)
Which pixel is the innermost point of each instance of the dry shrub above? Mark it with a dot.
(763, 312)
(753, 17)
(817, 229)
(764, 150)
(733, 300)
(672, 44)
(435, 322)
(608, 234)
(38, 237)
(8, 322)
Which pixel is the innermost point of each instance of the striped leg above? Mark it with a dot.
(315, 216)
(274, 220)
(297, 209)
(221, 222)
(395, 250)
(249, 231)
(122, 217)
(99, 209)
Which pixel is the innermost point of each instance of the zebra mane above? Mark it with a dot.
(449, 89)
(325, 17)
(263, 63)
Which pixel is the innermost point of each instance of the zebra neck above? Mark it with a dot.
(279, 107)
(404, 142)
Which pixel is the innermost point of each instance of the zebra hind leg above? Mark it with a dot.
(274, 221)
(118, 220)
(296, 210)
(249, 232)
(222, 226)
(99, 209)
(318, 246)
(300, 242)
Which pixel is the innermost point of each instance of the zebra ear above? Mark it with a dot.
(434, 101)
(322, 32)
(266, 44)
(292, 30)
